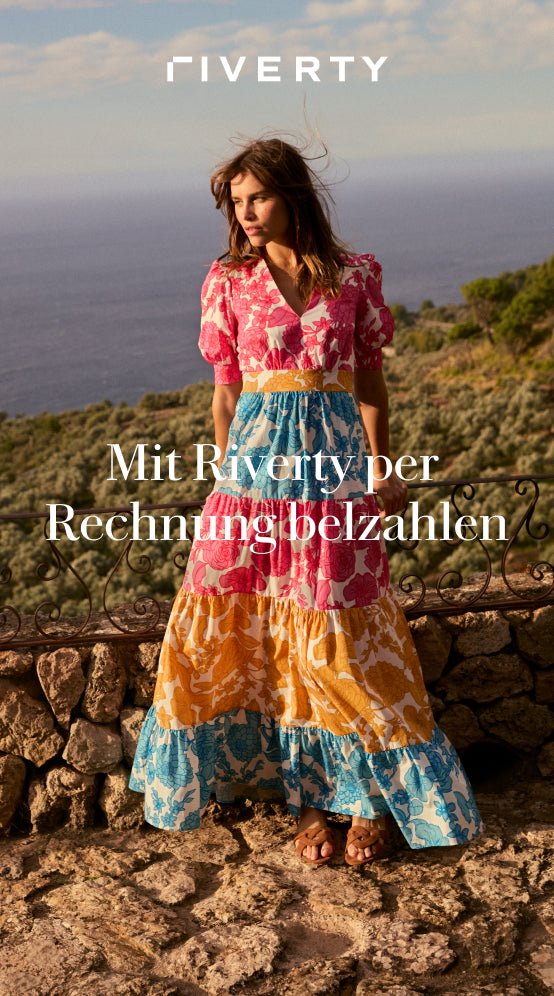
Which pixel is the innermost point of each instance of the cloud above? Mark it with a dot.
(360, 8)
(495, 35)
(74, 63)
(84, 4)
(463, 36)
(83, 62)
(57, 4)
(224, 3)
(460, 36)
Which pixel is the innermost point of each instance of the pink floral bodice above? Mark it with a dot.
(247, 325)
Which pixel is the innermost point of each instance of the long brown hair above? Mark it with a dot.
(282, 168)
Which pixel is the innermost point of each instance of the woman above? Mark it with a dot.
(288, 665)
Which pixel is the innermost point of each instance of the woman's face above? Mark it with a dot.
(261, 212)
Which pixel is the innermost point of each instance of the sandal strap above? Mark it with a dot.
(367, 836)
(315, 835)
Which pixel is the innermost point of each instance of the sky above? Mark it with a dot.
(85, 102)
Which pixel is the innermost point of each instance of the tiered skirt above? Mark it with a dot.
(287, 667)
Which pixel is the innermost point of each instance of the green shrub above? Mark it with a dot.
(48, 423)
(488, 298)
(531, 304)
(463, 330)
(400, 314)
(424, 340)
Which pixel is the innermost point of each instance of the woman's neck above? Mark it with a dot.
(282, 258)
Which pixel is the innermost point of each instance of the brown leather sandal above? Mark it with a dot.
(375, 836)
(315, 836)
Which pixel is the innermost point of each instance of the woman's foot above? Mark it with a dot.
(314, 840)
(366, 841)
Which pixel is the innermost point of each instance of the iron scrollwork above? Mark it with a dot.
(141, 603)
(538, 570)
(448, 590)
(444, 593)
(51, 609)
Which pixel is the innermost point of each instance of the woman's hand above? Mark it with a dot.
(371, 392)
(392, 492)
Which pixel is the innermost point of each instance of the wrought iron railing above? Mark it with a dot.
(512, 572)
(448, 592)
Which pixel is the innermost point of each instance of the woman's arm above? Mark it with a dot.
(223, 408)
(372, 395)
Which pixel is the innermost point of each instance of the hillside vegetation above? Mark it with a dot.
(469, 383)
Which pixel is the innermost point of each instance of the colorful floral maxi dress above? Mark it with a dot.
(287, 664)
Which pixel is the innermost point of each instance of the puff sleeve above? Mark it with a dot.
(218, 326)
(374, 321)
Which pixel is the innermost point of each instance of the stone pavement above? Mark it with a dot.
(230, 909)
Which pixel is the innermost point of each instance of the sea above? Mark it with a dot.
(100, 293)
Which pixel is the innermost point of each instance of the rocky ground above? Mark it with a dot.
(229, 909)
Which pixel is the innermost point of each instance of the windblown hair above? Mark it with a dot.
(282, 168)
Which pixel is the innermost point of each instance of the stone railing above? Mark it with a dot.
(70, 716)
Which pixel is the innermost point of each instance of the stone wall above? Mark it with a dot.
(70, 718)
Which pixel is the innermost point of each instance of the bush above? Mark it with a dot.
(463, 330)
(528, 307)
(488, 298)
(400, 313)
(424, 340)
(148, 401)
(48, 423)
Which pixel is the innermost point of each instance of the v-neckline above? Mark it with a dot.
(282, 296)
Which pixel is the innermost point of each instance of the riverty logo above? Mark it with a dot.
(306, 67)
